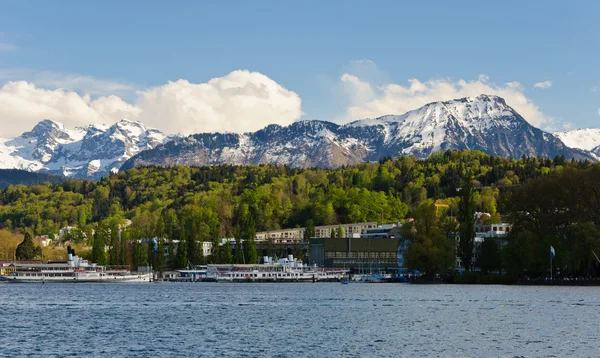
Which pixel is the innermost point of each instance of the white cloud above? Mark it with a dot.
(74, 82)
(399, 99)
(543, 85)
(7, 47)
(238, 102)
(22, 105)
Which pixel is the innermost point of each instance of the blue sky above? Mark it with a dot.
(126, 48)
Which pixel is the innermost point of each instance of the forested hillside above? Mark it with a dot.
(281, 196)
(201, 204)
(15, 176)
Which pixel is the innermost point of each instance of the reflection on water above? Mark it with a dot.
(301, 320)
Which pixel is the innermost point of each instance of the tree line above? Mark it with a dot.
(194, 205)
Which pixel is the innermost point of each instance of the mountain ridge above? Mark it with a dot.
(90, 152)
(483, 123)
(486, 123)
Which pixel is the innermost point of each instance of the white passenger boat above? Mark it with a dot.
(74, 270)
(284, 270)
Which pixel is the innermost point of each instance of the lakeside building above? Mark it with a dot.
(385, 231)
(482, 231)
(296, 234)
(492, 230)
(361, 255)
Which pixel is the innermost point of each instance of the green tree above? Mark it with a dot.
(181, 260)
(309, 230)
(490, 257)
(429, 251)
(27, 250)
(227, 256)
(172, 257)
(99, 244)
(341, 233)
(466, 216)
(123, 241)
(250, 253)
(239, 254)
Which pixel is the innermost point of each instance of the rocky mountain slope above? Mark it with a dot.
(90, 152)
(483, 123)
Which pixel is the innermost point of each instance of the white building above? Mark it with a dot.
(207, 248)
(296, 234)
(492, 230)
(44, 240)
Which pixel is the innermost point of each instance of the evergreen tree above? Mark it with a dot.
(124, 240)
(334, 233)
(239, 255)
(113, 249)
(251, 256)
(341, 233)
(181, 255)
(151, 252)
(99, 244)
(309, 230)
(172, 259)
(490, 258)
(227, 256)
(27, 250)
(466, 215)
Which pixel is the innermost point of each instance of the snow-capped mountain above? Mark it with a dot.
(90, 152)
(586, 139)
(483, 123)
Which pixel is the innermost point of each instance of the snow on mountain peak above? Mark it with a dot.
(586, 139)
(84, 152)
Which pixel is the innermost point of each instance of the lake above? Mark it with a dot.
(297, 320)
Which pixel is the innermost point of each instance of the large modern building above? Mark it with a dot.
(357, 254)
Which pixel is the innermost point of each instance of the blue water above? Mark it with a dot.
(297, 320)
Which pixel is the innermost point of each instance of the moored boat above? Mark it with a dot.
(284, 270)
(75, 270)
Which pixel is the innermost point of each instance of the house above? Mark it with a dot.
(43, 240)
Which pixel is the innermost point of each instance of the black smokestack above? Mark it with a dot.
(264, 252)
(68, 250)
(73, 252)
(289, 250)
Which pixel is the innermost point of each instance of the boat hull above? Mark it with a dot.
(105, 279)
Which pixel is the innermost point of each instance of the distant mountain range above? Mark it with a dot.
(483, 123)
(90, 152)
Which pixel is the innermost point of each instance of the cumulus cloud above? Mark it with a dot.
(22, 105)
(543, 85)
(368, 101)
(238, 102)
